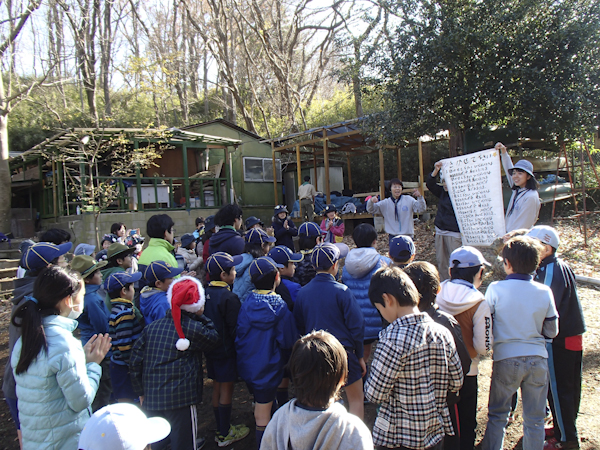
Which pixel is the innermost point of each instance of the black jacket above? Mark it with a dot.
(228, 241)
(445, 219)
(283, 235)
(222, 307)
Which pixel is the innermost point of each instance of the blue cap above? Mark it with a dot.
(310, 229)
(402, 247)
(160, 271)
(279, 209)
(187, 239)
(209, 223)
(467, 256)
(328, 209)
(258, 236)
(112, 238)
(118, 280)
(251, 221)
(84, 249)
(283, 255)
(41, 254)
(325, 255)
(261, 267)
(219, 261)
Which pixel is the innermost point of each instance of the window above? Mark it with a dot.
(260, 170)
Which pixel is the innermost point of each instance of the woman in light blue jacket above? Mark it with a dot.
(56, 377)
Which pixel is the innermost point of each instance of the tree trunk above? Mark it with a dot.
(356, 87)
(457, 141)
(5, 191)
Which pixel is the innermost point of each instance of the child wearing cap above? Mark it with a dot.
(125, 325)
(361, 264)
(325, 304)
(258, 243)
(253, 222)
(566, 350)
(524, 316)
(332, 225)
(264, 318)
(223, 307)
(286, 263)
(199, 231)
(414, 367)
(166, 362)
(153, 297)
(283, 227)
(187, 250)
(402, 250)
(524, 205)
(94, 319)
(313, 420)
(459, 296)
(310, 235)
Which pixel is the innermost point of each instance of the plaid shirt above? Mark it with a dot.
(414, 367)
(169, 378)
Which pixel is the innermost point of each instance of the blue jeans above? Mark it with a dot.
(530, 373)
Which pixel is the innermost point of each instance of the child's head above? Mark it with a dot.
(365, 235)
(396, 187)
(467, 263)
(120, 284)
(199, 222)
(330, 211)
(549, 238)
(522, 175)
(391, 281)
(209, 225)
(107, 240)
(57, 236)
(306, 178)
(310, 235)
(283, 256)
(221, 267)
(187, 294)
(522, 255)
(264, 273)
(119, 255)
(160, 274)
(258, 243)
(402, 249)
(122, 426)
(325, 257)
(426, 279)
(160, 226)
(118, 229)
(280, 211)
(318, 367)
(43, 254)
(88, 268)
(253, 222)
(55, 291)
(229, 215)
(188, 241)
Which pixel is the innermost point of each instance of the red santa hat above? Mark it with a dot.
(184, 293)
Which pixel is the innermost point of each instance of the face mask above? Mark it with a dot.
(74, 314)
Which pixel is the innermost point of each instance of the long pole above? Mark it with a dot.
(381, 175)
(326, 161)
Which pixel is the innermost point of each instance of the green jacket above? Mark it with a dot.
(158, 250)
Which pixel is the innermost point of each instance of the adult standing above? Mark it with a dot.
(447, 232)
(307, 194)
(228, 238)
(398, 210)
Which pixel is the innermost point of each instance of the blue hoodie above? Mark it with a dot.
(266, 332)
(94, 318)
(242, 286)
(153, 304)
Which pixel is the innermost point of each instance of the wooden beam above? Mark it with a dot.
(421, 166)
(274, 175)
(326, 160)
(349, 173)
(314, 141)
(381, 175)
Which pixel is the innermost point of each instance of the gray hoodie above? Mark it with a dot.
(360, 261)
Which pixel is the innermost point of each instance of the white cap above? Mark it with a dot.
(546, 235)
(122, 426)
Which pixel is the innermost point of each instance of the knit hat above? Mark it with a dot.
(184, 293)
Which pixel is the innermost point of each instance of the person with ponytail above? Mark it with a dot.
(56, 377)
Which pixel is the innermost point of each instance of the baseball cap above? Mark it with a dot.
(253, 220)
(122, 426)
(86, 265)
(310, 229)
(41, 254)
(279, 209)
(262, 266)
(209, 223)
(524, 165)
(159, 271)
(283, 255)
(328, 209)
(118, 280)
(84, 249)
(402, 247)
(187, 239)
(467, 256)
(325, 255)
(546, 235)
(119, 250)
(258, 236)
(219, 261)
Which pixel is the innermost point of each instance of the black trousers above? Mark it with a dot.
(104, 388)
(183, 428)
(467, 413)
(438, 446)
(564, 394)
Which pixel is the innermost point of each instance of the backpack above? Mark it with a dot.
(348, 208)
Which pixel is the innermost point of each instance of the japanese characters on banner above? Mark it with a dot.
(475, 188)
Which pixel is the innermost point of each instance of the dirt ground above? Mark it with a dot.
(584, 260)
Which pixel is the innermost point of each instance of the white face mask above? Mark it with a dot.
(75, 313)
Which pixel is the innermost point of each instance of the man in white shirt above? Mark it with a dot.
(307, 194)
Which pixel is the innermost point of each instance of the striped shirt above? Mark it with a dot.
(124, 329)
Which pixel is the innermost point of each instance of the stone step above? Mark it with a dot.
(10, 272)
(10, 253)
(9, 263)
(6, 284)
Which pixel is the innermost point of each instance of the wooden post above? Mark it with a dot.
(186, 178)
(274, 175)
(298, 166)
(54, 194)
(381, 175)
(228, 176)
(315, 169)
(326, 161)
(349, 172)
(420, 147)
(399, 162)
(138, 180)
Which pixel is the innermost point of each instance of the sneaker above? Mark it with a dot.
(200, 442)
(553, 444)
(550, 444)
(236, 433)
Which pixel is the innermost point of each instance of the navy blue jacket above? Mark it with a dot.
(222, 307)
(283, 235)
(226, 240)
(94, 318)
(325, 304)
(445, 219)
